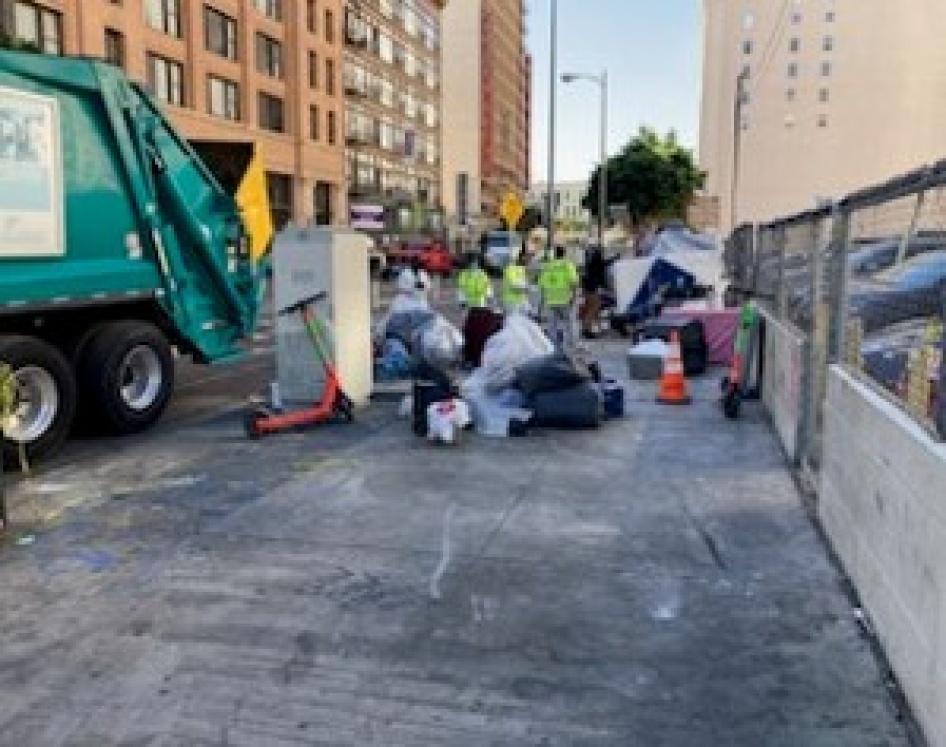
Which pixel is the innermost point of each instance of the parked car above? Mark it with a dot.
(912, 290)
(882, 255)
(432, 254)
(886, 354)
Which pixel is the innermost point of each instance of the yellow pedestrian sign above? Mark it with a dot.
(511, 210)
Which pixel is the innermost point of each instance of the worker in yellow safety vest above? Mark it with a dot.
(558, 284)
(474, 287)
(516, 285)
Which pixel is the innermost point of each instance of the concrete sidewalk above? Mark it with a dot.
(655, 583)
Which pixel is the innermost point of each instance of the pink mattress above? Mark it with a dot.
(720, 326)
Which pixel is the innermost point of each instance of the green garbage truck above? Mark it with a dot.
(118, 247)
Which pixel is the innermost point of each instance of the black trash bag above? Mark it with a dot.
(550, 373)
(578, 407)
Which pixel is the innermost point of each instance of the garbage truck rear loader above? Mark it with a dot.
(117, 243)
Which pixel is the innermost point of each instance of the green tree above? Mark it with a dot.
(653, 176)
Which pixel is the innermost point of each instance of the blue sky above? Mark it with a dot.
(652, 50)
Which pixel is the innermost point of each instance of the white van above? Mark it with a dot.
(500, 248)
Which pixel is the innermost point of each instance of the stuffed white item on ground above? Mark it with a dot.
(445, 420)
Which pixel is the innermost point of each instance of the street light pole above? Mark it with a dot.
(553, 80)
(603, 178)
(602, 82)
(737, 147)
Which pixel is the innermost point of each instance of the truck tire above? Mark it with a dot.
(126, 375)
(46, 394)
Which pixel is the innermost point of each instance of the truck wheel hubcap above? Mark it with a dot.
(140, 378)
(37, 402)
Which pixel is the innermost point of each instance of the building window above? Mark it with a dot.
(822, 120)
(332, 128)
(221, 33)
(270, 8)
(166, 79)
(269, 56)
(828, 45)
(329, 26)
(313, 70)
(330, 77)
(323, 204)
(38, 26)
(279, 190)
(271, 115)
(315, 123)
(825, 69)
(748, 20)
(824, 95)
(164, 15)
(794, 45)
(746, 72)
(790, 94)
(223, 98)
(312, 16)
(747, 46)
(796, 17)
(115, 47)
(792, 69)
(829, 16)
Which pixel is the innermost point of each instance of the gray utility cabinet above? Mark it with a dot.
(311, 259)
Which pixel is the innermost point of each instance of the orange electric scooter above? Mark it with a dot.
(333, 405)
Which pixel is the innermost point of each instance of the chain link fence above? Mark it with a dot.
(863, 281)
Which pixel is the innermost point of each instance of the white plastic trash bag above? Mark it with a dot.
(445, 420)
(491, 413)
(519, 341)
(440, 343)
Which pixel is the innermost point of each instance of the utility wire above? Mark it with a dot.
(774, 41)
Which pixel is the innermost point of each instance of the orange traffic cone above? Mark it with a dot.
(673, 384)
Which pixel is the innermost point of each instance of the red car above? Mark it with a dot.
(432, 255)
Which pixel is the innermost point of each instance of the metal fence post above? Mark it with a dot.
(838, 282)
(940, 414)
(817, 352)
(755, 241)
(779, 236)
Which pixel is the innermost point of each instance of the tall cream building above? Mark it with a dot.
(486, 104)
(837, 94)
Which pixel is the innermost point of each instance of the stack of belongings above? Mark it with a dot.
(693, 346)
(496, 405)
(562, 392)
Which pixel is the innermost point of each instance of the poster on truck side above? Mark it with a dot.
(31, 204)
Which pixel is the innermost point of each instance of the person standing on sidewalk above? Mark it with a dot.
(594, 280)
(558, 283)
(516, 285)
(474, 287)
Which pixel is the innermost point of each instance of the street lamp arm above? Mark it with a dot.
(572, 77)
(602, 82)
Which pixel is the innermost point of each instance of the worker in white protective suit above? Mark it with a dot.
(412, 290)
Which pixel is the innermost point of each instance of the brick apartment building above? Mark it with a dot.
(392, 81)
(487, 104)
(234, 70)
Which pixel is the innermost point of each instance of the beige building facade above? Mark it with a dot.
(392, 80)
(267, 71)
(487, 88)
(836, 95)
